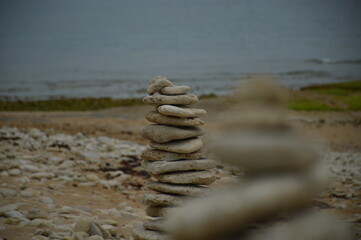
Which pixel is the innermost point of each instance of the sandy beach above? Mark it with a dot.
(86, 165)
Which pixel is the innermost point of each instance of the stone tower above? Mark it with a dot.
(282, 173)
(175, 157)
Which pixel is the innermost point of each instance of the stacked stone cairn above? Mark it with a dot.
(282, 174)
(175, 157)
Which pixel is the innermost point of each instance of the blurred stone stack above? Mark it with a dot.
(175, 157)
(281, 170)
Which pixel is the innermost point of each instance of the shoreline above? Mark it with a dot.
(321, 97)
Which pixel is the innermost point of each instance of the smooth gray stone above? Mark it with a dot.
(10, 207)
(176, 111)
(14, 214)
(261, 152)
(159, 167)
(158, 155)
(157, 83)
(196, 177)
(179, 146)
(153, 211)
(90, 227)
(94, 230)
(140, 233)
(232, 209)
(321, 225)
(175, 90)
(182, 189)
(82, 225)
(36, 213)
(161, 200)
(163, 133)
(154, 116)
(158, 99)
(155, 225)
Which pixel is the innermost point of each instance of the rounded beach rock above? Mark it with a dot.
(155, 224)
(156, 117)
(158, 99)
(175, 90)
(196, 177)
(158, 155)
(159, 200)
(188, 190)
(176, 111)
(157, 83)
(153, 211)
(140, 233)
(179, 146)
(280, 152)
(240, 206)
(160, 167)
(163, 133)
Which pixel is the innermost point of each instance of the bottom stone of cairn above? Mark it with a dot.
(140, 233)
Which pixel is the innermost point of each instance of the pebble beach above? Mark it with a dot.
(61, 171)
(254, 133)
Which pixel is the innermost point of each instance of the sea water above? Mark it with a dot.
(81, 48)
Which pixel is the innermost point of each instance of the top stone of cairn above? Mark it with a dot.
(157, 83)
(162, 92)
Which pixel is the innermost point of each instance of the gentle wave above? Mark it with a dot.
(333, 61)
(306, 73)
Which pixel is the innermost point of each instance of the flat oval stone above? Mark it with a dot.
(237, 207)
(157, 83)
(188, 190)
(280, 152)
(175, 90)
(140, 233)
(196, 177)
(153, 211)
(155, 224)
(159, 200)
(179, 146)
(176, 111)
(160, 167)
(175, 99)
(163, 133)
(158, 155)
(156, 117)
